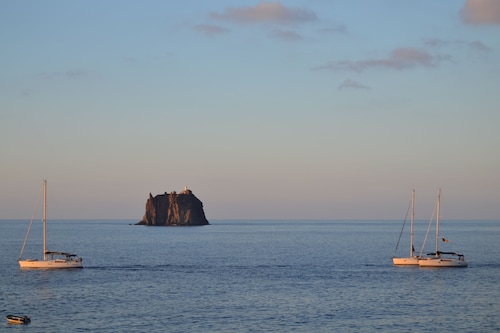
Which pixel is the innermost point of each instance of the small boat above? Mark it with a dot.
(412, 259)
(13, 319)
(51, 259)
(439, 258)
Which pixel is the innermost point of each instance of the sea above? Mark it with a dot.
(250, 276)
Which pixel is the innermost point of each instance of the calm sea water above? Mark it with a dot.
(250, 276)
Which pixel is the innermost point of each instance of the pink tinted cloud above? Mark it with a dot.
(399, 59)
(266, 12)
(210, 30)
(481, 12)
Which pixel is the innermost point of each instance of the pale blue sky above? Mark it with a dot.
(319, 109)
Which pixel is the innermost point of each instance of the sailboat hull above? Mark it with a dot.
(442, 262)
(50, 264)
(405, 261)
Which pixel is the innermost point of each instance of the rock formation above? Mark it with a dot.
(183, 209)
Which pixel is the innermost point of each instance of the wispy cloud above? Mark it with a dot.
(69, 74)
(474, 45)
(76, 73)
(352, 84)
(139, 61)
(338, 29)
(129, 60)
(477, 45)
(481, 12)
(434, 42)
(398, 59)
(210, 29)
(286, 35)
(27, 92)
(266, 12)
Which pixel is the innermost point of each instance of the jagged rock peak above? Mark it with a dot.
(173, 209)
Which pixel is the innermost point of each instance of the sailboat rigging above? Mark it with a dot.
(412, 259)
(51, 259)
(439, 258)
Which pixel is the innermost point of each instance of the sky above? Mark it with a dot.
(307, 109)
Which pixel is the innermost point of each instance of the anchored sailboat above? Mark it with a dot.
(412, 259)
(438, 258)
(51, 259)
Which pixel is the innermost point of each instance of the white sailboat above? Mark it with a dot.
(412, 259)
(51, 259)
(438, 258)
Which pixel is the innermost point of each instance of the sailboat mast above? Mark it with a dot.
(44, 219)
(412, 221)
(437, 220)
